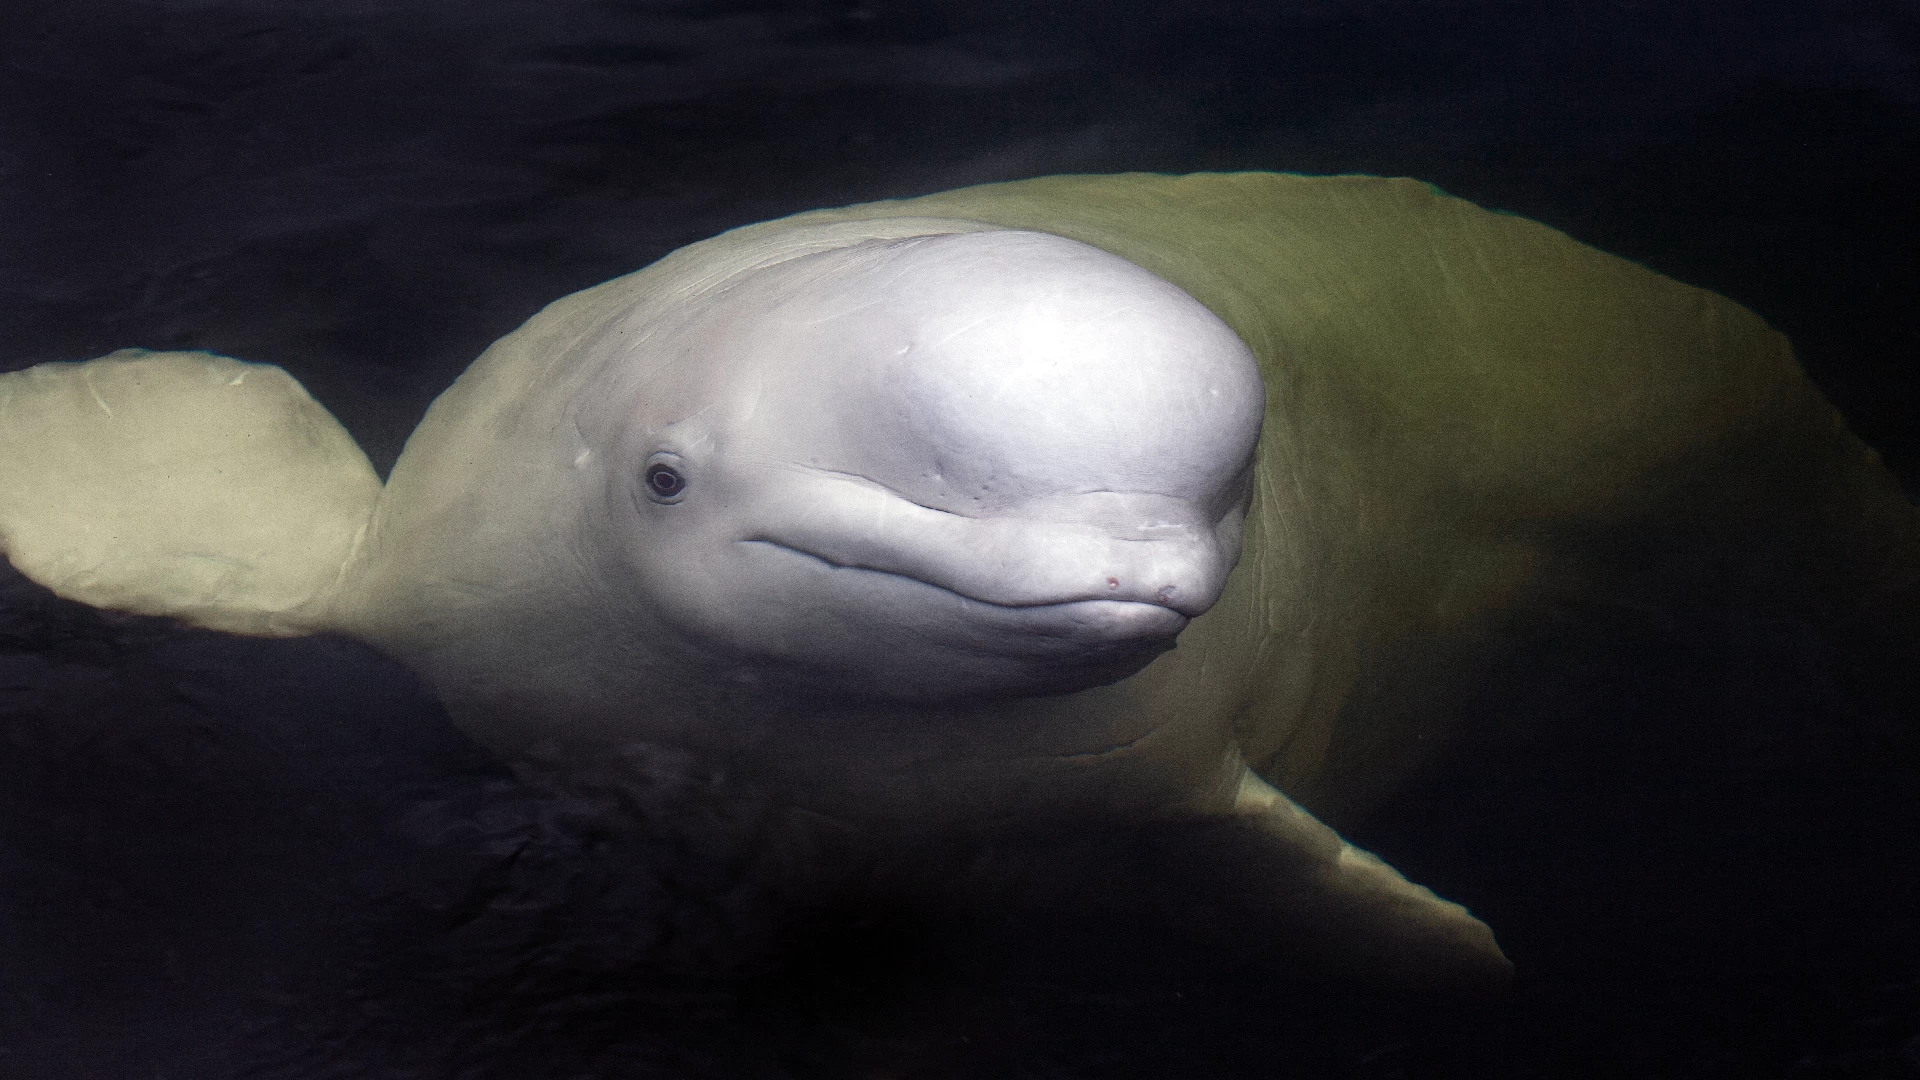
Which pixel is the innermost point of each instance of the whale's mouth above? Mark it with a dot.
(1100, 621)
(1070, 621)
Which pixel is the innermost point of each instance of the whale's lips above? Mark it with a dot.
(1102, 622)
(1026, 621)
(1087, 619)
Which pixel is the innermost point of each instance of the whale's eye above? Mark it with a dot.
(665, 482)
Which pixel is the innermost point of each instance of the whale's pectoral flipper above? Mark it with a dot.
(181, 484)
(1361, 913)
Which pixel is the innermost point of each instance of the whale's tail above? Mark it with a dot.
(182, 484)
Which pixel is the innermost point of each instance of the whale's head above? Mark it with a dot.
(965, 465)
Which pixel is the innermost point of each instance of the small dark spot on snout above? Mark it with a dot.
(1113, 583)
(1166, 594)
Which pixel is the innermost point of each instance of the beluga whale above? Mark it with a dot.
(1123, 499)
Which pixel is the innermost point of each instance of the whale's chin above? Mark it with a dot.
(959, 680)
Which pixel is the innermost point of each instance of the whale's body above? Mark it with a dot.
(898, 509)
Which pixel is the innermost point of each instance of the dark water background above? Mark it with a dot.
(1696, 829)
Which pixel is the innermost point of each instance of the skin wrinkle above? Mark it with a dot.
(770, 542)
(870, 482)
(102, 402)
(224, 560)
(977, 322)
(1110, 749)
(837, 315)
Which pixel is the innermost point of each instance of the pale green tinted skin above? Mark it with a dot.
(180, 484)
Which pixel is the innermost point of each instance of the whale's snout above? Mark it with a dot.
(1054, 595)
